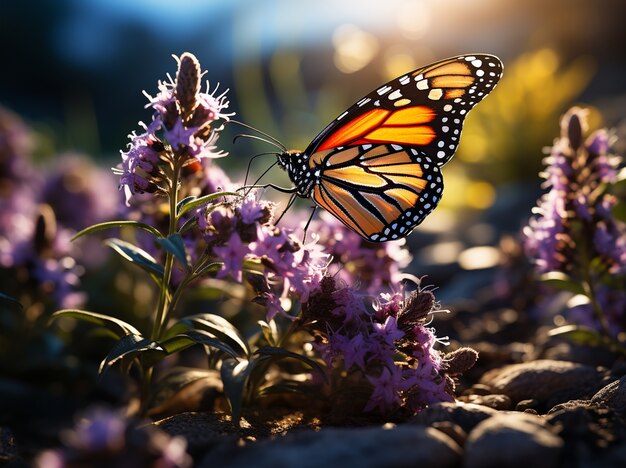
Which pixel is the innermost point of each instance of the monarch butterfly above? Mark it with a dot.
(376, 167)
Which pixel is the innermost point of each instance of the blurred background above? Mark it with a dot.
(75, 69)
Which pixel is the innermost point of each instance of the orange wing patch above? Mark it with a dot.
(452, 68)
(403, 126)
(331, 197)
(411, 116)
(356, 175)
(420, 135)
(355, 128)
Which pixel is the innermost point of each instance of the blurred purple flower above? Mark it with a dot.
(374, 266)
(104, 437)
(574, 230)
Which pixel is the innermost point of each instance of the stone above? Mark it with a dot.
(466, 415)
(512, 440)
(495, 401)
(544, 380)
(399, 446)
(202, 431)
(613, 395)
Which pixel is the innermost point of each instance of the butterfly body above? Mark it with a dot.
(377, 166)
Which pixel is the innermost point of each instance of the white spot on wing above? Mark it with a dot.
(383, 90)
(422, 84)
(435, 94)
(395, 95)
(342, 115)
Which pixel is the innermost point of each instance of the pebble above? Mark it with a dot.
(466, 415)
(399, 446)
(512, 440)
(544, 380)
(613, 395)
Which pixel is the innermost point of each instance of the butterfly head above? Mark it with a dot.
(295, 164)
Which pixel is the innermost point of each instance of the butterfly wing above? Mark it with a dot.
(379, 191)
(424, 109)
(377, 164)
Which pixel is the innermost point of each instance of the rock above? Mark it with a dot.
(495, 401)
(405, 445)
(613, 395)
(544, 380)
(588, 429)
(466, 415)
(201, 430)
(526, 405)
(512, 440)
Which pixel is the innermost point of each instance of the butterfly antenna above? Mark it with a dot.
(255, 137)
(260, 132)
(245, 182)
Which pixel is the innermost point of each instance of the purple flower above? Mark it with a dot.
(385, 396)
(182, 132)
(574, 230)
(250, 211)
(232, 254)
(387, 331)
(372, 265)
(400, 363)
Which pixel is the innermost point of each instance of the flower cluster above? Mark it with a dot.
(280, 269)
(575, 231)
(40, 211)
(386, 346)
(103, 437)
(181, 133)
(372, 266)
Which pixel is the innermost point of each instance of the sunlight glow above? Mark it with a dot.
(476, 258)
(354, 48)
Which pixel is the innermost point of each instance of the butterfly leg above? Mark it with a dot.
(292, 199)
(306, 226)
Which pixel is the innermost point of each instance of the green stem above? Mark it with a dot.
(595, 305)
(164, 297)
(163, 308)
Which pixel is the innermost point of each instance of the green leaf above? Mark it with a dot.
(115, 224)
(177, 343)
(135, 255)
(220, 328)
(275, 353)
(562, 281)
(118, 327)
(184, 201)
(128, 348)
(619, 211)
(198, 202)
(235, 374)
(211, 266)
(174, 245)
(290, 386)
(176, 380)
(204, 338)
(188, 225)
(270, 332)
(175, 329)
(579, 334)
(10, 304)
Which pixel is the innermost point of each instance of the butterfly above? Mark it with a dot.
(377, 167)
